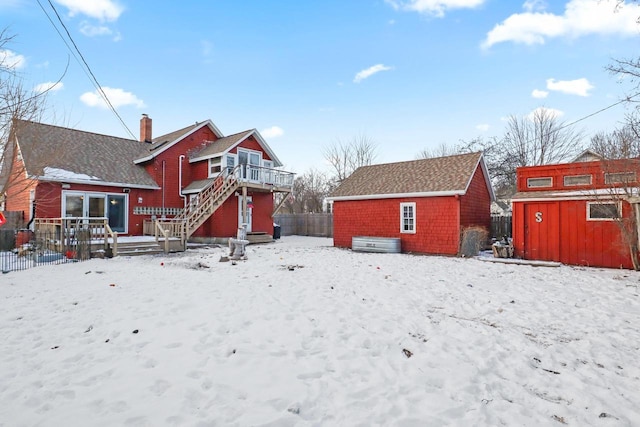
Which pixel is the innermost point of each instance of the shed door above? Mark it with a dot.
(542, 231)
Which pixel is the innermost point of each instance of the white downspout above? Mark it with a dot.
(164, 163)
(184, 198)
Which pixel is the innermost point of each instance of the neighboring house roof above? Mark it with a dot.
(53, 153)
(441, 176)
(164, 142)
(223, 145)
(587, 156)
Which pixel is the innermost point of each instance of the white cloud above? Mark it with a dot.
(370, 72)
(534, 5)
(94, 30)
(104, 10)
(548, 112)
(580, 87)
(433, 7)
(482, 127)
(581, 17)
(272, 132)
(118, 98)
(10, 59)
(48, 87)
(537, 93)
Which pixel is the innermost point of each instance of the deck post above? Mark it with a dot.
(244, 204)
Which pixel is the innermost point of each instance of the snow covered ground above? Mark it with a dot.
(304, 334)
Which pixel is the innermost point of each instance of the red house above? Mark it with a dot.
(194, 183)
(426, 203)
(577, 213)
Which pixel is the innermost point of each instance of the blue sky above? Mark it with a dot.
(409, 74)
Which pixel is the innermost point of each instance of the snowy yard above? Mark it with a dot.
(305, 334)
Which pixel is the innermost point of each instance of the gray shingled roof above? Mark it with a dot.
(442, 174)
(220, 145)
(73, 155)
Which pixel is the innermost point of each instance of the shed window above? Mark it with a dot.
(577, 180)
(539, 182)
(407, 217)
(599, 211)
(619, 177)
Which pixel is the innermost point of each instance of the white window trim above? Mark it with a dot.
(609, 175)
(85, 203)
(564, 182)
(603, 203)
(211, 164)
(413, 210)
(550, 178)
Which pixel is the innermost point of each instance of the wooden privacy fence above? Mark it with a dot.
(306, 224)
(500, 226)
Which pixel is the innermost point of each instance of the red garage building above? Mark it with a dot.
(426, 203)
(579, 213)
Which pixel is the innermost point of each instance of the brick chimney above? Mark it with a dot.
(145, 128)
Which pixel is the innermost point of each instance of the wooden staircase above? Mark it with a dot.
(139, 248)
(209, 200)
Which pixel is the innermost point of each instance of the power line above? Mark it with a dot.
(86, 68)
(627, 99)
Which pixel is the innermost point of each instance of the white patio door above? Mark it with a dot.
(249, 212)
(252, 160)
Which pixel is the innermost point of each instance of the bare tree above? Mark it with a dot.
(441, 150)
(536, 139)
(309, 192)
(16, 103)
(346, 157)
(621, 167)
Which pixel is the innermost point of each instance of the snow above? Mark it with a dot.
(63, 174)
(304, 334)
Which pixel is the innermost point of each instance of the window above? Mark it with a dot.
(539, 182)
(214, 166)
(619, 177)
(603, 211)
(407, 217)
(231, 163)
(577, 180)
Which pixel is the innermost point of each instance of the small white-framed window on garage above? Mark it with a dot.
(408, 217)
(620, 178)
(571, 180)
(539, 182)
(603, 211)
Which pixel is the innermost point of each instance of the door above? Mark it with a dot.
(542, 231)
(116, 212)
(249, 212)
(251, 161)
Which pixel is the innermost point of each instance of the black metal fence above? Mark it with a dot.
(23, 249)
(500, 226)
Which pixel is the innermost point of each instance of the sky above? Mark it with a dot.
(406, 74)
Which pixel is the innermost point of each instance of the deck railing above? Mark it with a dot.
(76, 231)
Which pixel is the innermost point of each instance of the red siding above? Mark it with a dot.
(437, 223)
(224, 222)
(558, 230)
(475, 205)
(251, 144)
